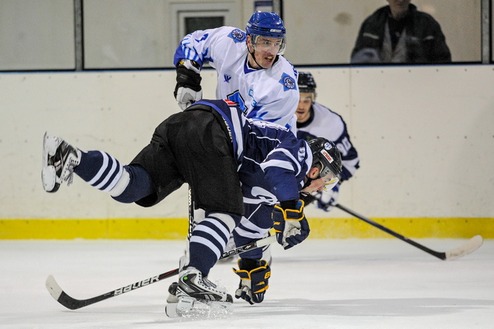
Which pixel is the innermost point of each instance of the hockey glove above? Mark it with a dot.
(326, 200)
(188, 88)
(254, 276)
(290, 225)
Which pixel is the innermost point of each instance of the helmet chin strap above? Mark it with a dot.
(253, 54)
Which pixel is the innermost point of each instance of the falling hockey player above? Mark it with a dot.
(252, 72)
(210, 146)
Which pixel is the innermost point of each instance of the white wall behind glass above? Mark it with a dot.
(124, 34)
(37, 35)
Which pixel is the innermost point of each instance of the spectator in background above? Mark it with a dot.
(316, 120)
(399, 33)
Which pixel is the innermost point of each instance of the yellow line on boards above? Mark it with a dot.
(176, 228)
(323, 228)
(115, 228)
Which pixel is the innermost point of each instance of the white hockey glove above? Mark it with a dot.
(186, 97)
(326, 200)
(290, 225)
(188, 88)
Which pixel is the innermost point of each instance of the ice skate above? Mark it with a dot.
(194, 296)
(59, 160)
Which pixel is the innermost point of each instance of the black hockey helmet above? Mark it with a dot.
(327, 155)
(306, 82)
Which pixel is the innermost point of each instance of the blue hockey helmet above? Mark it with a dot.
(266, 24)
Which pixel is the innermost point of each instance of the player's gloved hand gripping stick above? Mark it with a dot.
(188, 88)
(290, 225)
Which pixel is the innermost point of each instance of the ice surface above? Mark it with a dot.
(319, 284)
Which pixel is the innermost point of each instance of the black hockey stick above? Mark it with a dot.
(191, 213)
(72, 303)
(468, 247)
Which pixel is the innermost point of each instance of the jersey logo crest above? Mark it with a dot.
(227, 78)
(237, 35)
(288, 82)
(263, 195)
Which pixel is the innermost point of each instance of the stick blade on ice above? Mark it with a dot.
(470, 246)
(53, 287)
(60, 296)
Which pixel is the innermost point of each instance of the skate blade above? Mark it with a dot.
(49, 179)
(171, 310)
(193, 309)
(48, 172)
(50, 145)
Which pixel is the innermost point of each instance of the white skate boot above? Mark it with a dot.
(59, 160)
(197, 297)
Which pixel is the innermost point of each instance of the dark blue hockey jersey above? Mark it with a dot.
(272, 162)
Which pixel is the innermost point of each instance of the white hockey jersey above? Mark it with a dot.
(330, 125)
(263, 94)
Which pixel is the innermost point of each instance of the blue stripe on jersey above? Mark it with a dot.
(274, 160)
(249, 230)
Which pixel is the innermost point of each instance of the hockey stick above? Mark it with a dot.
(191, 213)
(72, 303)
(468, 247)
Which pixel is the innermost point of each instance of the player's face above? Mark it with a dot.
(398, 7)
(319, 183)
(303, 108)
(265, 50)
(315, 185)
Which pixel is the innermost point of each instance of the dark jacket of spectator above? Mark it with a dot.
(416, 38)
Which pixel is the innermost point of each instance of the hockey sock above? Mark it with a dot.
(209, 239)
(134, 185)
(124, 183)
(99, 169)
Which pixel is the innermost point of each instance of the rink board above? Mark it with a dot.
(176, 228)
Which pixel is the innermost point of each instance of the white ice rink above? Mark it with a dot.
(319, 284)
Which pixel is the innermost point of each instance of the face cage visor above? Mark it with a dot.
(329, 178)
(262, 42)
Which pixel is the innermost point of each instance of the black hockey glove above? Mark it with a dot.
(188, 88)
(290, 225)
(307, 197)
(254, 276)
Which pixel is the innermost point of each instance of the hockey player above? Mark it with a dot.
(314, 119)
(214, 148)
(250, 68)
(251, 71)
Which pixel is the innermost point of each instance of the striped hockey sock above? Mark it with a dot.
(208, 241)
(99, 169)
